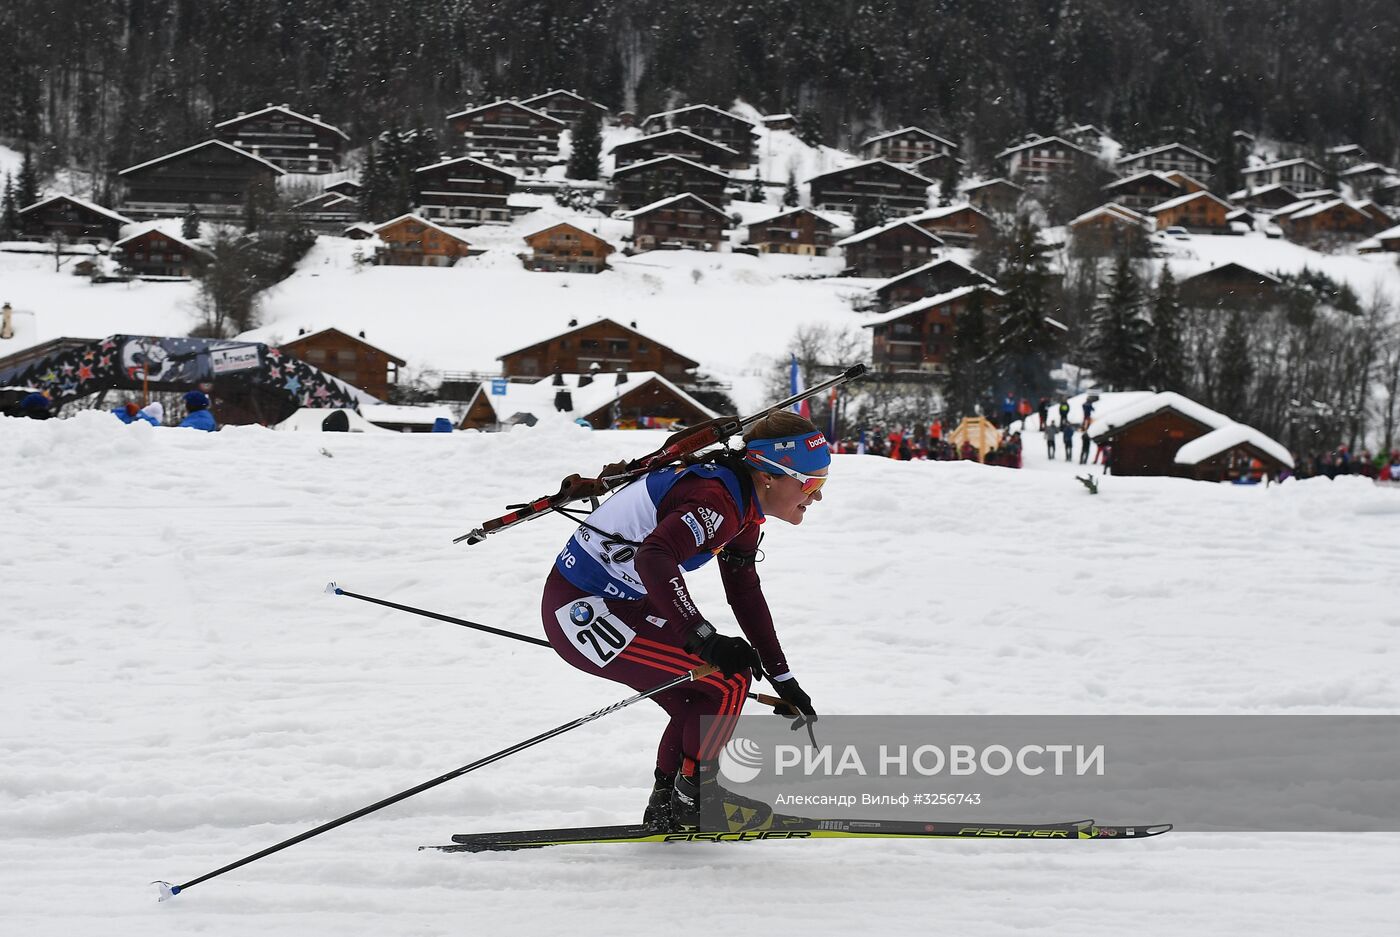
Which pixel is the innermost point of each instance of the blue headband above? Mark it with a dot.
(805, 453)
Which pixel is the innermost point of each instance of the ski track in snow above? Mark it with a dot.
(179, 692)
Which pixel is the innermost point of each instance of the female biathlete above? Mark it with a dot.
(616, 603)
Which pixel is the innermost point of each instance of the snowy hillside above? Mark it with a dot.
(179, 692)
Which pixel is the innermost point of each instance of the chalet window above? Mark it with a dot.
(529, 366)
(589, 344)
(619, 346)
(346, 356)
(563, 343)
(315, 355)
(643, 347)
(352, 377)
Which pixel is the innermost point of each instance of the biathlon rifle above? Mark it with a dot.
(684, 443)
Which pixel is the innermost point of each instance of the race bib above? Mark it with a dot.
(598, 634)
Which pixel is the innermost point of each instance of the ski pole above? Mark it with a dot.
(167, 890)
(333, 589)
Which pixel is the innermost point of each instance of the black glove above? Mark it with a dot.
(730, 655)
(798, 702)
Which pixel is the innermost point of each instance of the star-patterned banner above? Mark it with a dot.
(124, 361)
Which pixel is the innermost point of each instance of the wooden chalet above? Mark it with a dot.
(995, 195)
(1168, 434)
(1087, 136)
(567, 106)
(1199, 212)
(283, 137)
(359, 231)
(345, 187)
(1109, 226)
(780, 121)
(505, 132)
(1365, 177)
(622, 400)
(1230, 286)
(1037, 161)
(712, 123)
(329, 212)
(1381, 217)
(350, 358)
(961, 224)
(1329, 219)
(1299, 175)
(1386, 241)
(75, 220)
(608, 344)
(681, 221)
(677, 142)
(643, 183)
(414, 241)
(1265, 198)
(907, 145)
(875, 184)
(796, 231)
(564, 248)
(932, 279)
(918, 336)
(217, 178)
(463, 191)
(1171, 157)
(889, 250)
(936, 167)
(1142, 190)
(154, 253)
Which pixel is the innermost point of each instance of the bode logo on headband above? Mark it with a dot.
(805, 453)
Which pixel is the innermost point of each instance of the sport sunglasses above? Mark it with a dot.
(810, 483)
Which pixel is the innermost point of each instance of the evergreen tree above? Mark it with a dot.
(27, 187)
(588, 144)
(948, 185)
(1166, 369)
(790, 198)
(1234, 368)
(373, 198)
(1120, 333)
(970, 365)
(189, 227)
(809, 129)
(1027, 338)
(9, 211)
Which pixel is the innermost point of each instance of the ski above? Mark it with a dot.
(795, 828)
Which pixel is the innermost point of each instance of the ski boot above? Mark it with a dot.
(658, 815)
(699, 802)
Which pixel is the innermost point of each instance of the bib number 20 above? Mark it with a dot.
(599, 635)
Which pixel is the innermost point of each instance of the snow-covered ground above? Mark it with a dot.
(179, 692)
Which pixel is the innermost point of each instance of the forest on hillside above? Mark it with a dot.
(101, 84)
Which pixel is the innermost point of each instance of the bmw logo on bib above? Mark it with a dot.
(580, 613)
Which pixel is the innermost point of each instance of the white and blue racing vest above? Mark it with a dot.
(602, 563)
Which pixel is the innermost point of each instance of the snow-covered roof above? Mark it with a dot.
(927, 267)
(285, 110)
(530, 102)
(795, 211)
(695, 107)
(411, 416)
(870, 162)
(1359, 168)
(1250, 193)
(662, 203)
(579, 328)
(1154, 173)
(540, 114)
(677, 131)
(538, 398)
(309, 419)
(1164, 148)
(1279, 165)
(991, 182)
(1130, 412)
(148, 227)
(1321, 207)
(1112, 208)
(636, 167)
(767, 117)
(424, 222)
(199, 146)
(1388, 233)
(887, 226)
(1291, 208)
(1183, 199)
(943, 211)
(1228, 437)
(1265, 277)
(928, 302)
(1040, 141)
(468, 159)
(81, 203)
(902, 130)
